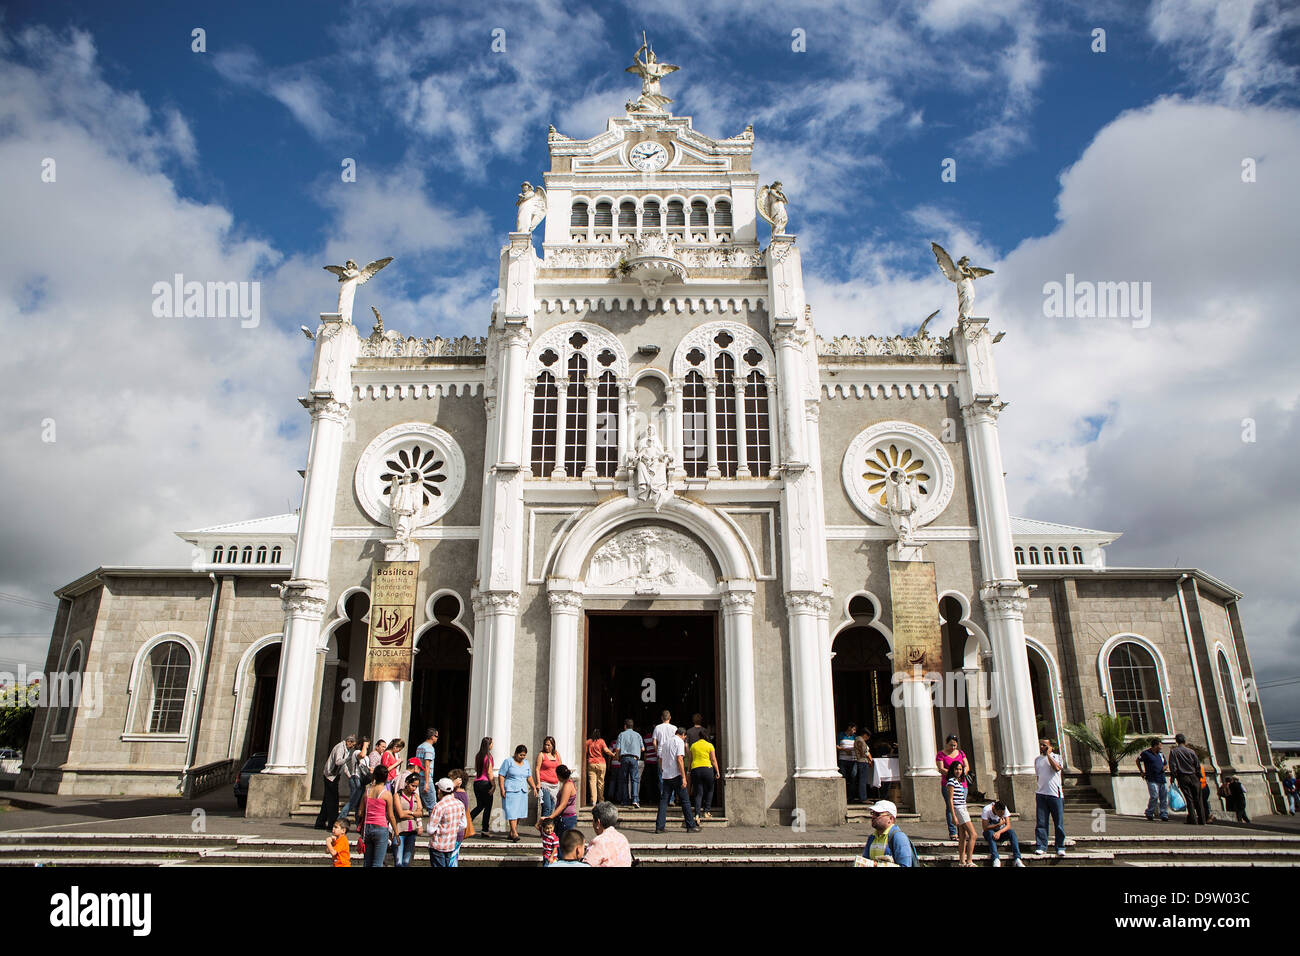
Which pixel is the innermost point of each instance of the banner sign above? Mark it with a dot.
(389, 646)
(918, 640)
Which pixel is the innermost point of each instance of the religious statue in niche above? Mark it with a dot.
(351, 276)
(900, 499)
(964, 275)
(648, 467)
(772, 206)
(531, 207)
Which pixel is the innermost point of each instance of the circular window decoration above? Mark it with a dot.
(416, 453)
(897, 448)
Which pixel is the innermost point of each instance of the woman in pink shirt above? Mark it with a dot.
(484, 771)
(547, 783)
(945, 758)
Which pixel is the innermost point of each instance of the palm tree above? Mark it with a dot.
(1111, 741)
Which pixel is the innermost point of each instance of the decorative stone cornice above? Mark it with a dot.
(851, 345)
(391, 345)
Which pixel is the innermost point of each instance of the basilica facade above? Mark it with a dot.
(651, 485)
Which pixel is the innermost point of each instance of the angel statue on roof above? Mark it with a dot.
(531, 206)
(651, 72)
(964, 275)
(351, 276)
(772, 207)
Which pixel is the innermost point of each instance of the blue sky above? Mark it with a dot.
(1122, 165)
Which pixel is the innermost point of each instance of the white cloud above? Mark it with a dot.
(295, 87)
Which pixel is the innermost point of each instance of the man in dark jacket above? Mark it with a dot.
(1186, 768)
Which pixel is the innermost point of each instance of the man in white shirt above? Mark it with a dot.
(1049, 799)
(672, 760)
(997, 827)
(664, 732)
(335, 764)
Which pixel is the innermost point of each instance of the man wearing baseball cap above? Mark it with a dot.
(888, 843)
(445, 822)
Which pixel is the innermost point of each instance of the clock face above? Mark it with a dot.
(648, 157)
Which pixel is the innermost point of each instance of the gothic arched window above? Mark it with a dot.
(1135, 688)
(606, 424)
(575, 417)
(1229, 691)
(695, 432)
(758, 425)
(724, 368)
(544, 425)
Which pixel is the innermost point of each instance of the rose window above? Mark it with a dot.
(422, 464)
(889, 460)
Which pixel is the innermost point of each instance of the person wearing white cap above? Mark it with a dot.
(445, 822)
(888, 844)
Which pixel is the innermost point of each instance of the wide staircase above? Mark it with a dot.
(1236, 847)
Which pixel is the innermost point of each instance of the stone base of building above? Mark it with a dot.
(275, 794)
(746, 802)
(108, 782)
(821, 801)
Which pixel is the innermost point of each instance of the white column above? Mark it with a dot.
(624, 396)
(789, 358)
(711, 426)
(918, 719)
(561, 425)
(813, 756)
(304, 596)
(388, 710)
(774, 423)
(589, 466)
(514, 349)
(674, 442)
(562, 700)
(502, 609)
(742, 716)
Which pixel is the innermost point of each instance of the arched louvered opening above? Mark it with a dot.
(575, 417)
(275, 555)
(650, 218)
(758, 426)
(627, 218)
(579, 220)
(1049, 556)
(232, 553)
(1033, 555)
(1064, 555)
(604, 219)
(607, 425)
(217, 552)
(676, 218)
(246, 556)
(725, 413)
(722, 220)
(699, 221)
(261, 554)
(545, 406)
(1078, 555)
(1020, 555)
(695, 432)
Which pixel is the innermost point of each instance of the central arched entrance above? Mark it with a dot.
(640, 663)
(440, 687)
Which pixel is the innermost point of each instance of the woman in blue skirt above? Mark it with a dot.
(516, 782)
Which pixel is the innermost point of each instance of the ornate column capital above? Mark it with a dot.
(565, 602)
(304, 599)
(499, 602)
(328, 410)
(812, 409)
(515, 336)
(981, 411)
(790, 336)
(1005, 600)
(809, 601)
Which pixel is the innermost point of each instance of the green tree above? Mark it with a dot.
(1111, 740)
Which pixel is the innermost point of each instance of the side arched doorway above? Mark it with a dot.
(265, 673)
(862, 679)
(440, 687)
(347, 701)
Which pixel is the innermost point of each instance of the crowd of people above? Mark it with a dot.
(391, 803)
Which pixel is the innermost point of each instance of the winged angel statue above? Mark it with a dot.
(350, 276)
(771, 203)
(964, 275)
(531, 207)
(651, 72)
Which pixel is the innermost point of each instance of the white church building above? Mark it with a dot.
(650, 485)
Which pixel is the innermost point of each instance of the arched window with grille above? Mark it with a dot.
(604, 219)
(575, 417)
(1135, 688)
(71, 685)
(275, 555)
(1033, 555)
(1065, 555)
(606, 424)
(232, 553)
(261, 554)
(1020, 555)
(1078, 555)
(758, 425)
(724, 370)
(650, 218)
(695, 432)
(545, 410)
(162, 685)
(217, 553)
(246, 556)
(699, 220)
(1049, 556)
(1228, 688)
(627, 218)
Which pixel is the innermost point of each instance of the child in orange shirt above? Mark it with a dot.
(337, 843)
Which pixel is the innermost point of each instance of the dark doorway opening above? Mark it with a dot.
(266, 674)
(440, 688)
(640, 664)
(862, 680)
